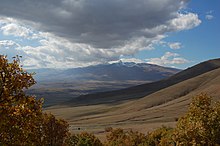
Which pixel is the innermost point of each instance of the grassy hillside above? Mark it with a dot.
(161, 105)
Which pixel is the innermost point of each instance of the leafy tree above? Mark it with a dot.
(83, 139)
(17, 110)
(55, 130)
(201, 124)
(119, 137)
(22, 121)
(161, 137)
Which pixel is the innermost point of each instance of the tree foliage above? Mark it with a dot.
(54, 130)
(201, 124)
(119, 137)
(22, 121)
(161, 137)
(84, 139)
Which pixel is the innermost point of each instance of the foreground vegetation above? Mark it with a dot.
(200, 126)
(22, 121)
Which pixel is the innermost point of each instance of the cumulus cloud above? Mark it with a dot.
(185, 22)
(99, 23)
(16, 30)
(12, 27)
(49, 53)
(168, 58)
(84, 32)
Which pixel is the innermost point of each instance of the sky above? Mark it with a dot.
(78, 33)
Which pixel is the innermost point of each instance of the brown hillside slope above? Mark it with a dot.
(116, 97)
(161, 107)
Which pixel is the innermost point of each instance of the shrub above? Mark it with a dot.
(201, 124)
(83, 139)
(161, 137)
(119, 137)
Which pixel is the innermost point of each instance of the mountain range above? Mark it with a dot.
(59, 85)
(120, 71)
(148, 88)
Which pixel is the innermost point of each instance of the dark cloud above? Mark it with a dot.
(100, 23)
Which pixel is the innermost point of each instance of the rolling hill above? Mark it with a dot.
(159, 103)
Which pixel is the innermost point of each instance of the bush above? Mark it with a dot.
(119, 137)
(161, 137)
(83, 139)
(201, 124)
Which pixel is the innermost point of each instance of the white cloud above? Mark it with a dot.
(58, 52)
(55, 51)
(168, 59)
(185, 22)
(101, 24)
(15, 30)
(175, 45)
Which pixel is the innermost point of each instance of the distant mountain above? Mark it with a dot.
(148, 88)
(120, 71)
(58, 85)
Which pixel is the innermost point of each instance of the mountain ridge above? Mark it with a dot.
(145, 89)
(114, 71)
